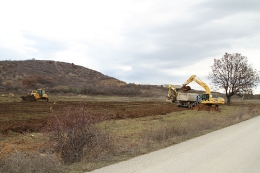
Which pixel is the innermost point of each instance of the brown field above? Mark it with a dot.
(23, 117)
(136, 126)
(19, 120)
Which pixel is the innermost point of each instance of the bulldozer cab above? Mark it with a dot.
(40, 92)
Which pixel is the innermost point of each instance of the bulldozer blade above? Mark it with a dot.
(28, 98)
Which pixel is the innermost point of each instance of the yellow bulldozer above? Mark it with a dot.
(36, 95)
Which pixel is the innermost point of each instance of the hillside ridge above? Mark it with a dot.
(31, 74)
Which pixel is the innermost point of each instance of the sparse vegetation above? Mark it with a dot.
(143, 135)
(30, 162)
(201, 122)
(84, 137)
(75, 137)
(51, 74)
(124, 90)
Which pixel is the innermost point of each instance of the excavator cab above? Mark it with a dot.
(205, 97)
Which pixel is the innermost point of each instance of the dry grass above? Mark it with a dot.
(30, 162)
(133, 137)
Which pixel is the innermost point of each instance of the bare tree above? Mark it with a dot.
(233, 73)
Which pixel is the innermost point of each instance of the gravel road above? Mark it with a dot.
(235, 149)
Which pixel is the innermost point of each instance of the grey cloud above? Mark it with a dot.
(219, 9)
(7, 54)
(224, 8)
(45, 47)
(185, 42)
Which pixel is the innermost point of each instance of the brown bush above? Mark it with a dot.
(11, 94)
(34, 80)
(75, 137)
(30, 81)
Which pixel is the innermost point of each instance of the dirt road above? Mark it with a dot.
(232, 149)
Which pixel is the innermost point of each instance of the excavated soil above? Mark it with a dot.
(32, 116)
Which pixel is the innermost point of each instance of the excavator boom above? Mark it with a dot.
(172, 94)
(198, 81)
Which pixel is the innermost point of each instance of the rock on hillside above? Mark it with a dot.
(49, 74)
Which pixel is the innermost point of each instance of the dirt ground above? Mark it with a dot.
(20, 121)
(32, 116)
(20, 117)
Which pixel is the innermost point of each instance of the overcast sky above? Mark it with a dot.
(136, 41)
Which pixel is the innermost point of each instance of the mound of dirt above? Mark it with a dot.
(203, 107)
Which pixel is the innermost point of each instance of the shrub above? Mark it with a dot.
(75, 136)
(30, 81)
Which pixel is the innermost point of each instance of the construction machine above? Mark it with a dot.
(206, 98)
(35, 95)
(172, 94)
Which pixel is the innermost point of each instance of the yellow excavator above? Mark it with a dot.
(172, 94)
(35, 95)
(206, 97)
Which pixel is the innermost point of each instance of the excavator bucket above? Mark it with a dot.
(185, 88)
(171, 99)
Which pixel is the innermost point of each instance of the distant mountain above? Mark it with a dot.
(31, 74)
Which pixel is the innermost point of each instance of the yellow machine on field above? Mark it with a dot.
(172, 94)
(206, 97)
(35, 95)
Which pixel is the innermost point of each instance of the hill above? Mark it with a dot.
(49, 74)
(56, 77)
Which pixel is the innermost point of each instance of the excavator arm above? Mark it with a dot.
(172, 93)
(198, 81)
(190, 80)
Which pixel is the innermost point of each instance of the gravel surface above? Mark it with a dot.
(235, 149)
